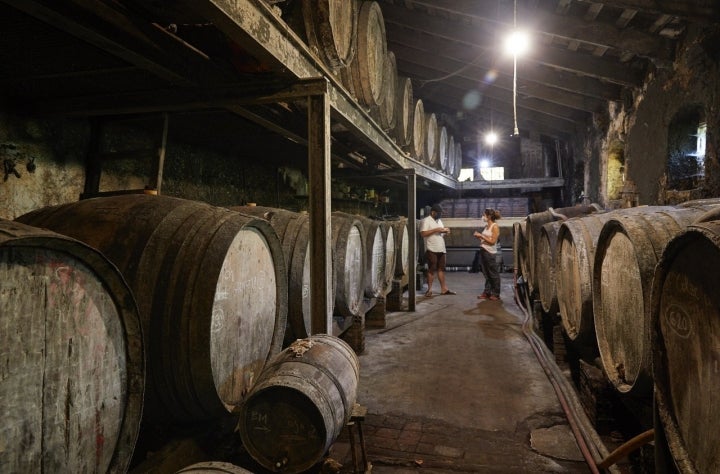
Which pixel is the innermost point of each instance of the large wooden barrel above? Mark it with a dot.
(419, 132)
(388, 232)
(443, 149)
(211, 287)
(519, 249)
(685, 311)
(330, 27)
(404, 111)
(450, 169)
(72, 375)
(213, 467)
(627, 252)
(458, 159)
(293, 230)
(374, 257)
(402, 243)
(368, 67)
(534, 223)
(575, 256)
(349, 263)
(546, 267)
(432, 140)
(386, 107)
(300, 404)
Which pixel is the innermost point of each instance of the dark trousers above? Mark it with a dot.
(490, 270)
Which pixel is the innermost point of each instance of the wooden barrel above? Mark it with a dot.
(349, 263)
(534, 223)
(450, 169)
(72, 375)
(210, 285)
(404, 111)
(685, 312)
(519, 249)
(432, 141)
(546, 267)
(402, 243)
(293, 230)
(213, 467)
(374, 257)
(389, 235)
(330, 27)
(458, 159)
(627, 252)
(443, 149)
(419, 130)
(577, 238)
(387, 103)
(300, 404)
(368, 67)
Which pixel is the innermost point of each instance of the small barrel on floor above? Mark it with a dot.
(73, 370)
(213, 467)
(300, 404)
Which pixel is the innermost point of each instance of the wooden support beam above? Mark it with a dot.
(412, 240)
(625, 18)
(321, 270)
(593, 11)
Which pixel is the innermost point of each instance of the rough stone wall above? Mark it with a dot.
(641, 122)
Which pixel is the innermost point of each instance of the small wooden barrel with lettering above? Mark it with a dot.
(300, 404)
(213, 467)
(210, 285)
(627, 252)
(685, 312)
(73, 369)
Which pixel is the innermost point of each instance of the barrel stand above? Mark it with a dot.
(356, 418)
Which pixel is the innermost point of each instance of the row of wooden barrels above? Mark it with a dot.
(639, 285)
(349, 37)
(128, 307)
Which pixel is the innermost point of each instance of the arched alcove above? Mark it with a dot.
(684, 168)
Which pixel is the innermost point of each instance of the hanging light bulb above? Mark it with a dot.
(517, 43)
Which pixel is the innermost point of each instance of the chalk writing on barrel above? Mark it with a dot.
(678, 320)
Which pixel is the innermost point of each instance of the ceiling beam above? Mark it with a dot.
(700, 11)
(438, 66)
(429, 26)
(541, 74)
(639, 42)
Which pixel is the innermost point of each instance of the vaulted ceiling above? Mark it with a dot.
(583, 54)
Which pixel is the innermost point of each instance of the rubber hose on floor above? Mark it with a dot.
(585, 435)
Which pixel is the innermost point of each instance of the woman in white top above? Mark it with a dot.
(488, 238)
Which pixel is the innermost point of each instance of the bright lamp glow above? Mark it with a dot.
(517, 43)
(491, 138)
(484, 163)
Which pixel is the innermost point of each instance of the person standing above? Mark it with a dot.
(433, 232)
(488, 250)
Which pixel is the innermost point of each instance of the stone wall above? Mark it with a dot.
(640, 123)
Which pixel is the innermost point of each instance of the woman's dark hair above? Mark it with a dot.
(493, 213)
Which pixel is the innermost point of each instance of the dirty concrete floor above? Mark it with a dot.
(455, 387)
